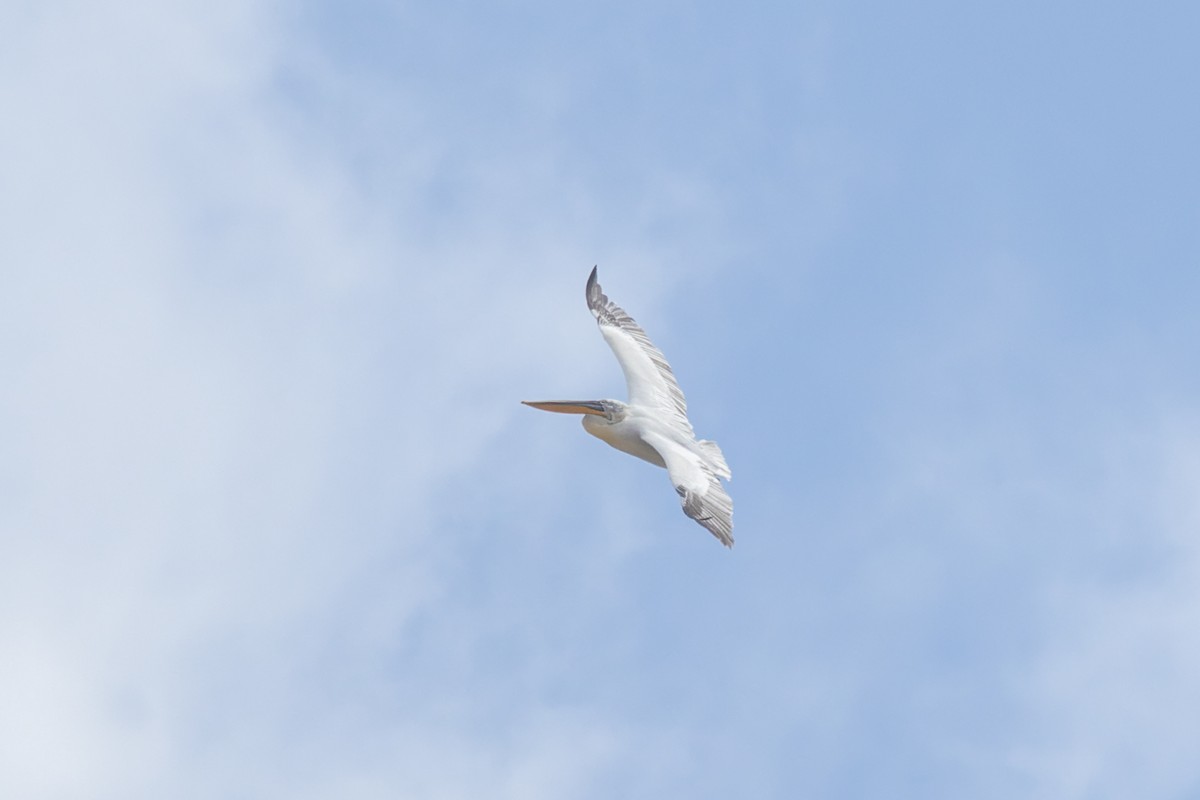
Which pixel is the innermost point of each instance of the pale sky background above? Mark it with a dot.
(275, 277)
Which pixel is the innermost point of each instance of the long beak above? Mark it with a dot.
(569, 406)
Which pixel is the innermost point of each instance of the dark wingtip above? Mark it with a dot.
(592, 287)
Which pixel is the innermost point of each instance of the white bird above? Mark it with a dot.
(653, 425)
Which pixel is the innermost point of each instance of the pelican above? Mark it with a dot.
(653, 425)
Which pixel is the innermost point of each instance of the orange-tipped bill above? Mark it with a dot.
(568, 406)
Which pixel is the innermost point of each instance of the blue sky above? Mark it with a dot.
(276, 277)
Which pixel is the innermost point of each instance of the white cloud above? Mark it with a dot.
(1110, 693)
(235, 397)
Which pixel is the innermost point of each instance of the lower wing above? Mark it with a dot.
(701, 494)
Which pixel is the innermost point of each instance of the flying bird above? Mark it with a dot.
(654, 424)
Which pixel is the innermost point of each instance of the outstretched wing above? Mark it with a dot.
(648, 376)
(703, 497)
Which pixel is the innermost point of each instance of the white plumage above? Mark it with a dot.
(653, 425)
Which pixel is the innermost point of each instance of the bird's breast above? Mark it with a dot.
(623, 435)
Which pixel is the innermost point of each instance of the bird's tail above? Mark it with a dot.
(715, 458)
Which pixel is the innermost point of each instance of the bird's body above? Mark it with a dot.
(626, 433)
(654, 425)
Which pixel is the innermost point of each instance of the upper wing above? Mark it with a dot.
(648, 376)
(703, 497)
